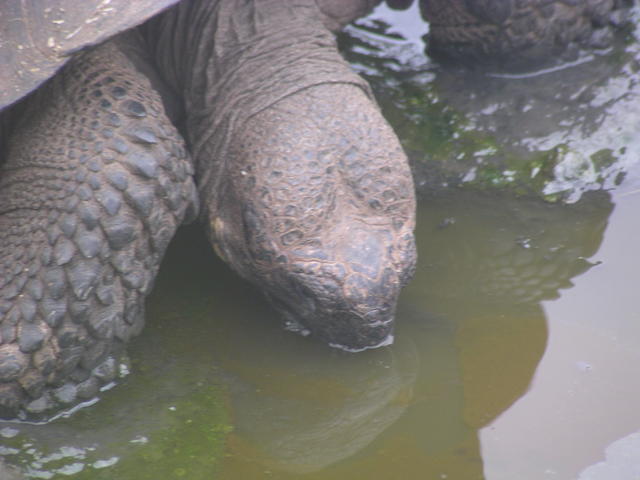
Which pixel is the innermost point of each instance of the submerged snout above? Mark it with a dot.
(349, 299)
(317, 208)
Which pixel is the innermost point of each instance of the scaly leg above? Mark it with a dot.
(95, 184)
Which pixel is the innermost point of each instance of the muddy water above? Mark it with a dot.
(516, 346)
(514, 358)
(507, 365)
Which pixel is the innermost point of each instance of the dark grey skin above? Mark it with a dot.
(516, 34)
(281, 152)
(316, 201)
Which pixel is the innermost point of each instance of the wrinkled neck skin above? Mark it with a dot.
(305, 190)
(232, 59)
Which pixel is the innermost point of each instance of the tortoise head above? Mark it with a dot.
(317, 209)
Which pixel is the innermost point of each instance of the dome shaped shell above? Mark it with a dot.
(37, 38)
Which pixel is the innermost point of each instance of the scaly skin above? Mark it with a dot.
(327, 205)
(95, 183)
(304, 189)
(516, 34)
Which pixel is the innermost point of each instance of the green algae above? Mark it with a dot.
(166, 439)
(476, 131)
(190, 446)
(447, 150)
(166, 419)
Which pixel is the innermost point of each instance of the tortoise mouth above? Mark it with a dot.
(342, 328)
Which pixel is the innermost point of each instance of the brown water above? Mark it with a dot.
(502, 369)
(514, 358)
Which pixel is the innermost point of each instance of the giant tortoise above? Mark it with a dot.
(241, 113)
(238, 112)
(517, 34)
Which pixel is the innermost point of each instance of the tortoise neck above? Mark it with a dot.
(201, 45)
(232, 59)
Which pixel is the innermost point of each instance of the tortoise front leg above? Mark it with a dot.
(94, 186)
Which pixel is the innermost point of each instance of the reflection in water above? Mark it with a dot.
(302, 413)
(585, 394)
(473, 364)
(511, 252)
(559, 135)
(485, 264)
(468, 343)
